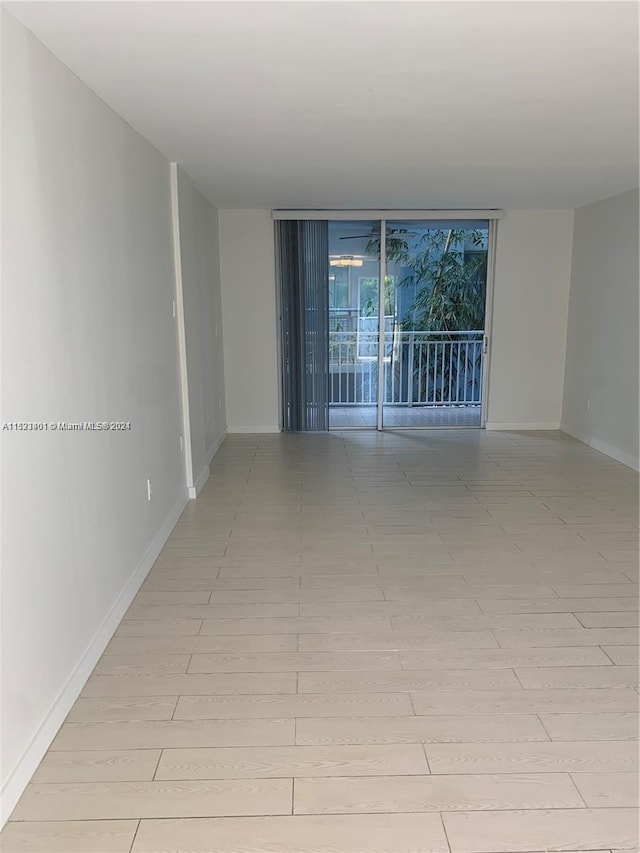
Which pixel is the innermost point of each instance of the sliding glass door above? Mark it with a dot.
(383, 322)
(434, 337)
(354, 287)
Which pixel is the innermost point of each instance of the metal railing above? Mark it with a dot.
(420, 368)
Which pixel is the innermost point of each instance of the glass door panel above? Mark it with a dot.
(354, 276)
(434, 306)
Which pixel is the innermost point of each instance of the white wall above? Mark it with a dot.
(602, 337)
(533, 261)
(88, 334)
(532, 271)
(201, 296)
(249, 312)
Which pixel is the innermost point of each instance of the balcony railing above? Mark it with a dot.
(420, 368)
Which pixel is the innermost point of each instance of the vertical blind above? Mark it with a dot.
(302, 259)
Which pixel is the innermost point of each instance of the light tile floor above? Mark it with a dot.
(367, 643)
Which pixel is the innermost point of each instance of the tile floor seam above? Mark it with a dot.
(606, 653)
(586, 805)
(541, 721)
(135, 835)
(155, 772)
(426, 758)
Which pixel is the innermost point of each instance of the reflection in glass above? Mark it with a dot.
(354, 272)
(432, 328)
(433, 376)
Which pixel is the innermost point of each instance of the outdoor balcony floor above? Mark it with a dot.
(398, 417)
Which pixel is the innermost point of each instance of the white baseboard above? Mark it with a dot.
(201, 479)
(32, 755)
(217, 444)
(517, 427)
(604, 447)
(254, 428)
(203, 476)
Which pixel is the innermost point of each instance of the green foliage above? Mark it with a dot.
(448, 268)
(450, 279)
(369, 305)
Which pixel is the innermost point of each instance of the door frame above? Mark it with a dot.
(488, 323)
(492, 215)
(382, 275)
(488, 320)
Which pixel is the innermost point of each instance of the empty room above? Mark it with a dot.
(320, 396)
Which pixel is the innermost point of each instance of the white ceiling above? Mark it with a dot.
(368, 104)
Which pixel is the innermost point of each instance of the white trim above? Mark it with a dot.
(253, 428)
(387, 214)
(604, 447)
(515, 427)
(382, 286)
(217, 444)
(204, 475)
(201, 479)
(55, 716)
(488, 321)
(181, 326)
